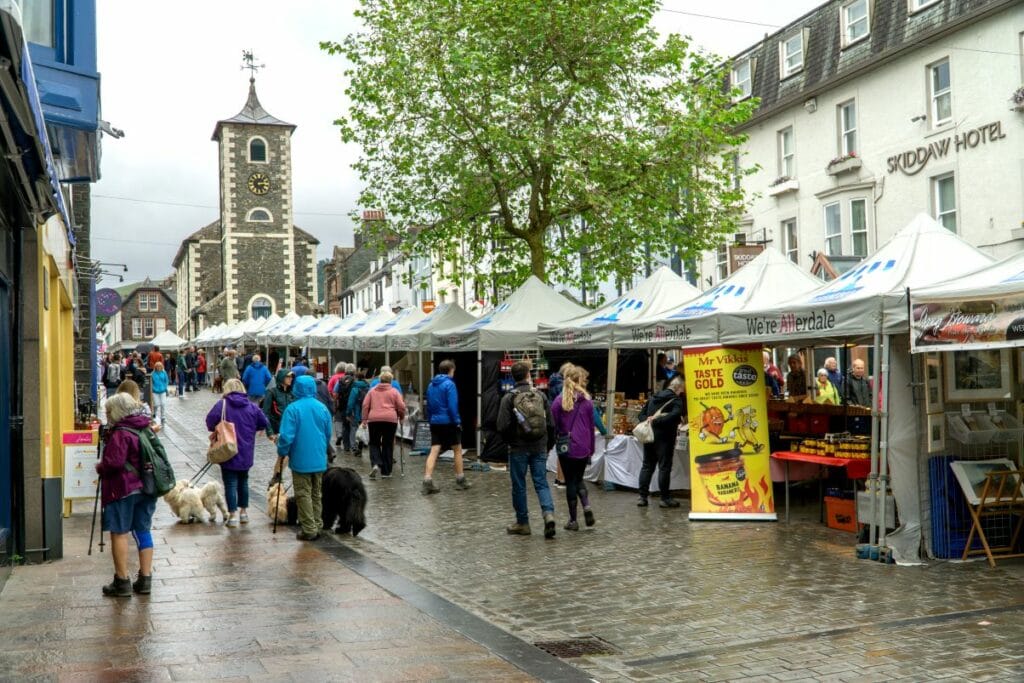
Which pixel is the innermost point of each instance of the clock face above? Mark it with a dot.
(259, 183)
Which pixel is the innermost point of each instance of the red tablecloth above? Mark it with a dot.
(856, 468)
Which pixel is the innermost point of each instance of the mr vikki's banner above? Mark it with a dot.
(729, 453)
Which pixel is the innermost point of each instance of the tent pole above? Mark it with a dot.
(872, 482)
(419, 379)
(479, 399)
(610, 382)
(883, 445)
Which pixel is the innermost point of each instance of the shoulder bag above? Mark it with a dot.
(223, 442)
(644, 432)
(562, 441)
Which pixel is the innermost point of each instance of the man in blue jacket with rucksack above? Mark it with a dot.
(303, 438)
(445, 426)
(256, 378)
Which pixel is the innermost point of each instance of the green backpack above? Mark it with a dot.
(157, 474)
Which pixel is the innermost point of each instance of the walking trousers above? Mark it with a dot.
(309, 500)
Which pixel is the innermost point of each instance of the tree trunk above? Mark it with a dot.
(538, 257)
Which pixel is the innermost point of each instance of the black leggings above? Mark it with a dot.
(575, 488)
(660, 454)
(382, 445)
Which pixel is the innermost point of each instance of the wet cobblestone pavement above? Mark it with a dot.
(675, 600)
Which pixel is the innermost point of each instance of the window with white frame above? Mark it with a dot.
(258, 150)
(742, 78)
(941, 92)
(833, 230)
(944, 200)
(722, 262)
(859, 226)
(787, 158)
(149, 302)
(136, 328)
(790, 237)
(856, 21)
(915, 5)
(148, 328)
(848, 128)
(161, 325)
(791, 55)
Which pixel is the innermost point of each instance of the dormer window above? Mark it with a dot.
(791, 55)
(742, 78)
(856, 20)
(259, 216)
(258, 150)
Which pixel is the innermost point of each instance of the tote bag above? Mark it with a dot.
(223, 442)
(644, 432)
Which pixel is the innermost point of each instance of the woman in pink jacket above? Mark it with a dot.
(383, 410)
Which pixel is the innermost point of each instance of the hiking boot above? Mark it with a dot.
(303, 536)
(118, 588)
(429, 487)
(549, 525)
(374, 471)
(518, 529)
(588, 516)
(462, 484)
(642, 502)
(572, 525)
(668, 503)
(143, 585)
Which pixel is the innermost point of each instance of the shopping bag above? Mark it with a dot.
(223, 442)
(644, 432)
(363, 434)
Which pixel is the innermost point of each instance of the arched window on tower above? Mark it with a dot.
(262, 307)
(259, 216)
(258, 150)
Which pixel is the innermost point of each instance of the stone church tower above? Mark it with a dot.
(253, 261)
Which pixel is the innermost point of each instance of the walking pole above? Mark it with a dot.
(278, 472)
(401, 455)
(96, 501)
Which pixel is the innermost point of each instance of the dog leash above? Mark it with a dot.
(199, 475)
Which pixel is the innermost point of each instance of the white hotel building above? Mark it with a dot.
(872, 111)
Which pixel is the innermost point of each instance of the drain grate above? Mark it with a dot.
(577, 647)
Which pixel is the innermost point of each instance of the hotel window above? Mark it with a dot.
(792, 245)
(848, 128)
(791, 55)
(787, 165)
(856, 21)
(722, 262)
(941, 93)
(257, 150)
(742, 78)
(944, 200)
(859, 226)
(833, 230)
(136, 328)
(916, 5)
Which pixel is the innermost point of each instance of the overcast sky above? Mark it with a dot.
(170, 71)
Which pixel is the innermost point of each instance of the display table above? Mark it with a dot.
(856, 468)
(620, 460)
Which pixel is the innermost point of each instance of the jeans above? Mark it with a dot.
(518, 463)
(382, 445)
(659, 453)
(181, 383)
(309, 500)
(573, 470)
(160, 406)
(348, 435)
(236, 488)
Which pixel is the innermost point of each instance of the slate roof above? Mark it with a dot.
(210, 231)
(253, 112)
(893, 32)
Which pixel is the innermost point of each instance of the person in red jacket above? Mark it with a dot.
(383, 410)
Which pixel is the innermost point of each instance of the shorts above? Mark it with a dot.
(134, 512)
(446, 436)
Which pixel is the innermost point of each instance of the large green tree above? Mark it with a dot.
(563, 137)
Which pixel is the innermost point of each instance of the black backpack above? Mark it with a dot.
(343, 389)
(157, 474)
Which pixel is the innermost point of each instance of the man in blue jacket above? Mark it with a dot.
(303, 438)
(256, 378)
(445, 426)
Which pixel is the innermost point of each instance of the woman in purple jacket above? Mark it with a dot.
(573, 414)
(248, 420)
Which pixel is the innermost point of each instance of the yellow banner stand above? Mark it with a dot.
(729, 453)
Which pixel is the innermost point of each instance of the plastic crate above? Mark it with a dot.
(818, 424)
(841, 513)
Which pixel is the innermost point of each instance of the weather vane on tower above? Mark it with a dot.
(250, 64)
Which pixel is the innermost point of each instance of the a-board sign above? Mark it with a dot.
(421, 437)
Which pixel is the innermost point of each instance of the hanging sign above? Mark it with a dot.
(996, 322)
(729, 452)
(108, 301)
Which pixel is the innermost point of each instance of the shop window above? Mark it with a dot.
(791, 55)
(792, 244)
(859, 226)
(856, 20)
(742, 78)
(787, 156)
(833, 230)
(258, 150)
(847, 128)
(941, 93)
(944, 200)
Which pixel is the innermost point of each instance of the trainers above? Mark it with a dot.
(462, 484)
(303, 536)
(243, 517)
(374, 471)
(549, 525)
(559, 484)
(385, 476)
(669, 503)
(572, 525)
(429, 487)
(518, 529)
(231, 522)
(642, 502)
(588, 516)
(143, 584)
(118, 588)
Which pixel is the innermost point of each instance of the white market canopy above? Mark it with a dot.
(661, 292)
(280, 334)
(868, 299)
(300, 334)
(981, 310)
(374, 337)
(417, 336)
(258, 324)
(205, 337)
(168, 340)
(766, 280)
(513, 323)
(347, 336)
(334, 338)
(285, 323)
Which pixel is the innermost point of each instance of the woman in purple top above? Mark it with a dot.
(248, 419)
(573, 414)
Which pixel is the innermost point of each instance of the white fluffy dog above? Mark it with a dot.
(186, 502)
(212, 495)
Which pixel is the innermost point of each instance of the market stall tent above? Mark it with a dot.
(374, 336)
(301, 334)
(334, 338)
(205, 337)
(285, 323)
(346, 336)
(168, 340)
(258, 324)
(417, 337)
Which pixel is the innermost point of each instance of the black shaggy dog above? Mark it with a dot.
(344, 501)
